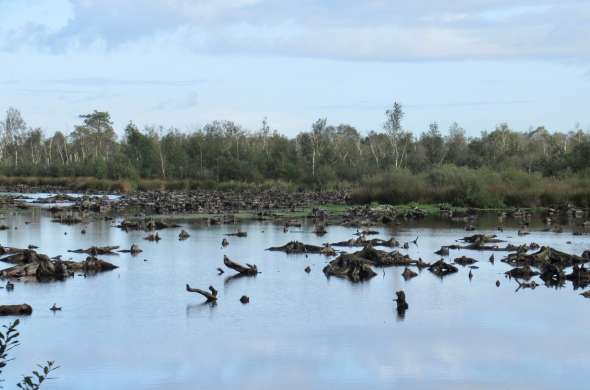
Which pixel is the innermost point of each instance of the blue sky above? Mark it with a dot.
(184, 63)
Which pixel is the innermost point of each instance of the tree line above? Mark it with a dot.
(324, 154)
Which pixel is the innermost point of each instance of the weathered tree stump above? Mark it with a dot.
(402, 305)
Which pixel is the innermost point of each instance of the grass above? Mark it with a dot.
(472, 188)
(125, 186)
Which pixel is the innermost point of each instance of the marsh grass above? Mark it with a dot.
(479, 188)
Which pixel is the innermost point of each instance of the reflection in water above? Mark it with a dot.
(137, 327)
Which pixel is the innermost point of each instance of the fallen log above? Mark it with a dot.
(296, 247)
(238, 234)
(481, 238)
(211, 296)
(16, 310)
(360, 241)
(90, 265)
(134, 250)
(248, 270)
(97, 250)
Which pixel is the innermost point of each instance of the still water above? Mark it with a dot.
(137, 327)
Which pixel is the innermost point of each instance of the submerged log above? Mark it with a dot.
(481, 238)
(351, 267)
(97, 250)
(361, 241)
(524, 272)
(248, 270)
(238, 234)
(211, 296)
(296, 247)
(16, 310)
(134, 250)
(90, 265)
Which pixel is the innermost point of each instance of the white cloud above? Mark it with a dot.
(347, 29)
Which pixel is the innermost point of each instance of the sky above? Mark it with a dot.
(184, 63)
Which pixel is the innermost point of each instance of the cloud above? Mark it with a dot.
(185, 103)
(374, 30)
(383, 106)
(102, 82)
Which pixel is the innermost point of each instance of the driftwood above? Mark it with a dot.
(248, 270)
(97, 250)
(90, 265)
(211, 296)
(134, 250)
(147, 225)
(360, 241)
(296, 247)
(366, 233)
(238, 234)
(16, 310)
(482, 238)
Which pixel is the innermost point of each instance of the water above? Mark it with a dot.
(137, 327)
